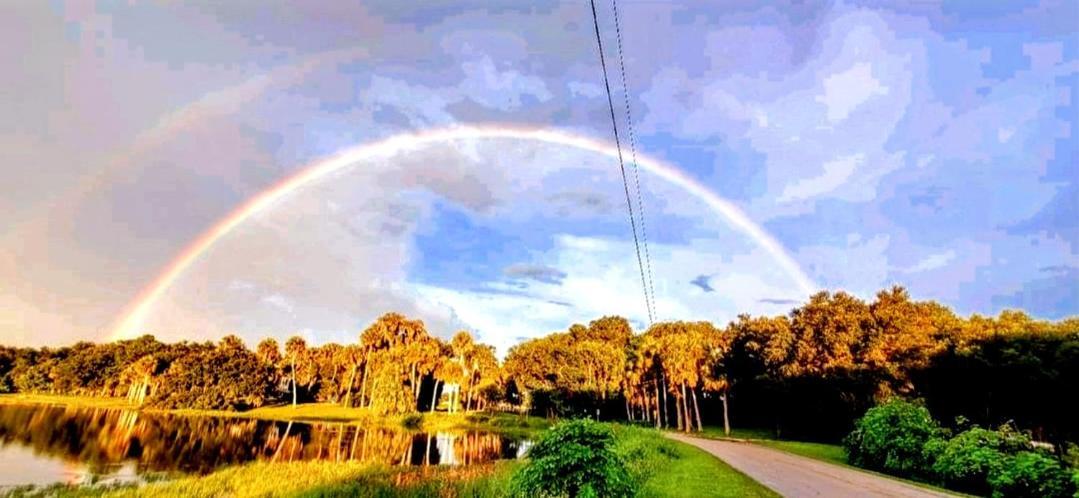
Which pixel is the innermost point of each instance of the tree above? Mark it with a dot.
(296, 351)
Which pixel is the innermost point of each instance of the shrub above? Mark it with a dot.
(966, 461)
(892, 438)
(1032, 474)
(574, 459)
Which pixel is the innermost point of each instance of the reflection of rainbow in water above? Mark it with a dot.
(131, 321)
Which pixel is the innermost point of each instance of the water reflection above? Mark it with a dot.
(98, 442)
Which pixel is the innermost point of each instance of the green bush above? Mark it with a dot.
(574, 459)
(966, 461)
(1032, 474)
(892, 438)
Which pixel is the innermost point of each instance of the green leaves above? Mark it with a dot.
(574, 459)
(900, 438)
(892, 438)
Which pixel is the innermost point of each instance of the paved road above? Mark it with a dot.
(797, 476)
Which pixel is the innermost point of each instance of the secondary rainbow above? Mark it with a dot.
(133, 317)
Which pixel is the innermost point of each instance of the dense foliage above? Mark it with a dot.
(574, 459)
(901, 438)
(397, 367)
(966, 461)
(892, 438)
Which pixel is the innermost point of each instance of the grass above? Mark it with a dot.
(504, 423)
(831, 453)
(307, 479)
(667, 468)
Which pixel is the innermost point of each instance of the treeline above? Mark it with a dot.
(396, 367)
(809, 373)
(812, 372)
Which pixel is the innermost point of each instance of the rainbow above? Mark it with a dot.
(131, 320)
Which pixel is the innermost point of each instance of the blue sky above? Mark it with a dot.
(933, 146)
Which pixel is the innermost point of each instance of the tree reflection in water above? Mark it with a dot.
(100, 439)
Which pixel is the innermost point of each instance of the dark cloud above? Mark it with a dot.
(702, 282)
(539, 273)
(1058, 269)
(580, 202)
(770, 300)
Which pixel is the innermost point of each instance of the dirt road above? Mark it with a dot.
(796, 476)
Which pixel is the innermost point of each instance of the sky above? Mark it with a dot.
(932, 146)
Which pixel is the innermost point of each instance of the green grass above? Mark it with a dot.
(832, 453)
(307, 479)
(667, 468)
(505, 423)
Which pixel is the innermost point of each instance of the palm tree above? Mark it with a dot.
(295, 349)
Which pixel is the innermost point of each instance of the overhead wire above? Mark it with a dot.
(621, 163)
(633, 158)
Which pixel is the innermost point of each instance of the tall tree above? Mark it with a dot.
(296, 351)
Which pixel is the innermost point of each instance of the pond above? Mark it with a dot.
(49, 444)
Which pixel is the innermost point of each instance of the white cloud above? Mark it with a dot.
(280, 302)
(932, 262)
(835, 174)
(847, 90)
(502, 90)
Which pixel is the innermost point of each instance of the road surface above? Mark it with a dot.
(797, 476)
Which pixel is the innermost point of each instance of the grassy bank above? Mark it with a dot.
(308, 479)
(667, 468)
(314, 412)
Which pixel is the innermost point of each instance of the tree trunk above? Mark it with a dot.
(434, 397)
(415, 385)
(629, 414)
(726, 420)
(696, 408)
(666, 407)
(688, 425)
(363, 385)
(348, 387)
(658, 418)
(678, 413)
(294, 382)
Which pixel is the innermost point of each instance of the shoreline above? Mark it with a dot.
(313, 413)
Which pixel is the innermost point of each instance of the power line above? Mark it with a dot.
(621, 162)
(633, 156)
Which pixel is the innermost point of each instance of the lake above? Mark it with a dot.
(49, 444)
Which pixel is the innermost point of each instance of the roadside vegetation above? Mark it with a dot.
(901, 438)
(587, 458)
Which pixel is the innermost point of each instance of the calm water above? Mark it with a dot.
(47, 444)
